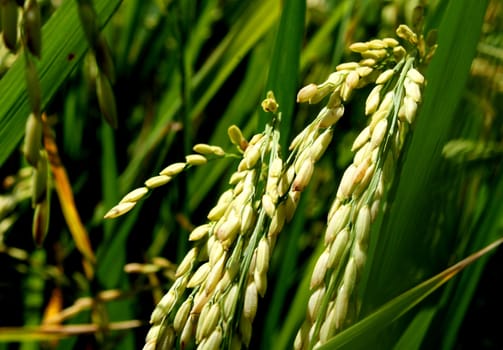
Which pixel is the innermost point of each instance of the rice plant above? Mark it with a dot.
(220, 174)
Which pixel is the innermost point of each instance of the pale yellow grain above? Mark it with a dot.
(195, 159)
(157, 181)
(199, 276)
(173, 169)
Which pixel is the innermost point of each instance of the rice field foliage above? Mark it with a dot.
(248, 174)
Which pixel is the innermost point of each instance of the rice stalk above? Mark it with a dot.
(391, 106)
(214, 298)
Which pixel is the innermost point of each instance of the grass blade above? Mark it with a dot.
(285, 63)
(353, 337)
(67, 201)
(64, 46)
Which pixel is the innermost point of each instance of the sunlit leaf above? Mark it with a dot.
(354, 336)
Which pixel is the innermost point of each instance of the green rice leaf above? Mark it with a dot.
(64, 47)
(354, 336)
(285, 62)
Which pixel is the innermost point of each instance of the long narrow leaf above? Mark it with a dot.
(285, 62)
(52, 332)
(67, 201)
(353, 337)
(64, 46)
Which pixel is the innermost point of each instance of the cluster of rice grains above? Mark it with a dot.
(129, 201)
(29, 31)
(213, 299)
(391, 107)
